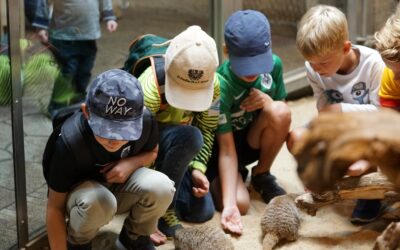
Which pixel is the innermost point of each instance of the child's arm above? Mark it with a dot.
(55, 220)
(201, 185)
(228, 173)
(41, 19)
(107, 15)
(121, 171)
(318, 90)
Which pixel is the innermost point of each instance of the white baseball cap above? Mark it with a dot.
(190, 64)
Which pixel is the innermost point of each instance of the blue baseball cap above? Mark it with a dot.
(248, 39)
(115, 103)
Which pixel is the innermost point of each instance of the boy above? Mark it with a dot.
(118, 136)
(187, 122)
(254, 120)
(344, 78)
(387, 43)
(73, 30)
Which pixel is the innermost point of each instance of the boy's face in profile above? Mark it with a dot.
(107, 144)
(110, 145)
(248, 79)
(328, 64)
(393, 66)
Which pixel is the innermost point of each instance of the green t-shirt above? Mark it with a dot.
(234, 91)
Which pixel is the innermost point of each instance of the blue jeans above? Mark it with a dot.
(191, 208)
(178, 145)
(76, 59)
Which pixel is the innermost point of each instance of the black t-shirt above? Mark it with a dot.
(64, 171)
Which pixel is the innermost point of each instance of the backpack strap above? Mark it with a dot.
(158, 66)
(72, 135)
(146, 131)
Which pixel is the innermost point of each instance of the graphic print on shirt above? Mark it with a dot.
(240, 95)
(360, 93)
(334, 96)
(125, 152)
(266, 81)
(240, 119)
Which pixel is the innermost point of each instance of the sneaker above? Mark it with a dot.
(267, 186)
(169, 223)
(142, 242)
(87, 246)
(366, 211)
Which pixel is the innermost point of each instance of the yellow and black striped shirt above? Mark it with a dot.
(206, 121)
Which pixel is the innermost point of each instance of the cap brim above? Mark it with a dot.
(254, 65)
(197, 100)
(116, 130)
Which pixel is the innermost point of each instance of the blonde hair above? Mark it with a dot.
(387, 39)
(321, 30)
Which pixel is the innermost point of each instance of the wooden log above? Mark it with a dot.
(370, 186)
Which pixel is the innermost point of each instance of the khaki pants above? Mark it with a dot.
(146, 196)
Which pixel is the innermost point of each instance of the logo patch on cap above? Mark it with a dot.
(195, 74)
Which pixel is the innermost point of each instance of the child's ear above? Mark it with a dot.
(347, 47)
(225, 49)
(85, 110)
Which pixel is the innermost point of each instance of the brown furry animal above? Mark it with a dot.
(280, 221)
(336, 140)
(203, 237)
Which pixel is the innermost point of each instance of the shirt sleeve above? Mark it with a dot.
(152, 99)
(41, 15)
(153, 139)
(224, 119)
(318, 91)
(107, 10)
(277, 76)
(62, 168)
(389, 92)
(207, 122)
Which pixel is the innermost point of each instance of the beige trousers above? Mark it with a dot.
(146, 196)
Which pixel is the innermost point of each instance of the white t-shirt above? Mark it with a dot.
(356, 91)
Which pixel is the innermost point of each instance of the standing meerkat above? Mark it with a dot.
(280, 221)
(204, 237)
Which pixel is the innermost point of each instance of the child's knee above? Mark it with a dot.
(161, 193)
(100, 207)
(243, 205)
(281, 113)
(278, 114)
(294, 136)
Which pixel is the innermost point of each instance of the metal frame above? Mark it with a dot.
(14, 24)
(358, 29)
(220, 10)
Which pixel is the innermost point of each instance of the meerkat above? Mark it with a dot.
(280, 221)
(204, 237)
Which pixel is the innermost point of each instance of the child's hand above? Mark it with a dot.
(201, 184)
(112, 25)
(42, 35)
(255, 100)
(117, 172)
(358, 168)
(231, 220)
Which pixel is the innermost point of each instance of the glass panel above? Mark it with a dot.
(39, 75)
(8, 226)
